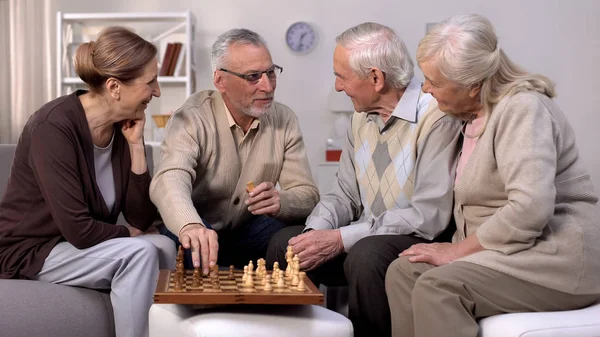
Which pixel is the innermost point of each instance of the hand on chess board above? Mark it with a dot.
(317, 247)
(204, 244)
(264, 200)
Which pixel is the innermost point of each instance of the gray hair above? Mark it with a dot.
(220, 49)
(465, 50)
(374, 45)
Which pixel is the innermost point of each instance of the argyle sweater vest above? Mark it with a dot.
(385, 161)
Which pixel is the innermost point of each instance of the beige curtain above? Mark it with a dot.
(5, 126)
(31, 62)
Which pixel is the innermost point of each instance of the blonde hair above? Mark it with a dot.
(117, 52)
(373, 45)
(465, 50)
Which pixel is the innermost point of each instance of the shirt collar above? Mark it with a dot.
(231, 121)
(407, 106)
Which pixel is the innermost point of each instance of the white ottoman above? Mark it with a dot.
(168, 320)
(574, 323)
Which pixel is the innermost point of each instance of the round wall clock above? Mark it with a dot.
(301, 37)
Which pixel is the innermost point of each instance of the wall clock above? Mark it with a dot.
(301, 37)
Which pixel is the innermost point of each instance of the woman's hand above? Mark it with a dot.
(439, 254)
(133, 131)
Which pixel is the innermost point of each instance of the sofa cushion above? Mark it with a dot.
(572, 323)
(34, 308)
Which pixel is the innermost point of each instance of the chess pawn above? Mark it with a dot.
(231, 275)
(178, 285)
(196, 277)
(275, 266)
(280, 283)
(295, 279)
(249, 281)
(268, 286)
(250, 267)
(301, 285)
(245, 274)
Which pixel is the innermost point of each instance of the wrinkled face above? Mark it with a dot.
(137, 94)
(453, 99)
(361, 91)
(243, 96)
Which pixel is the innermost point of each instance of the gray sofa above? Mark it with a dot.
(32, 308)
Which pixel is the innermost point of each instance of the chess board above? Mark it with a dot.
(230, 291)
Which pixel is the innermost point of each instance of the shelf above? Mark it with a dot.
(107, 17)
(161, 79)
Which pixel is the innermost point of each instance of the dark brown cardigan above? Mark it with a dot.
(52, 193)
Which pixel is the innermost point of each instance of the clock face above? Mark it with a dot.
(301, 37)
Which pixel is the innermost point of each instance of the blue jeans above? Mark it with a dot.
(238, 247)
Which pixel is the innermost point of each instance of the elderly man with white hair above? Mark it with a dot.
(526, 213)
(394, 185)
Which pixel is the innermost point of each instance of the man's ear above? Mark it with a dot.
(113, 87)
(219, 81)
(475, 89)
(377, 78)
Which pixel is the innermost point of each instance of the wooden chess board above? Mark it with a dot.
(227, 291)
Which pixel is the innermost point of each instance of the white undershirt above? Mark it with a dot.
(104, 173)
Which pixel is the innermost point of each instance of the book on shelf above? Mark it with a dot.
(170, 59)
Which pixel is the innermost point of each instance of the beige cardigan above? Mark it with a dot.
(199, 174)
(526, 194)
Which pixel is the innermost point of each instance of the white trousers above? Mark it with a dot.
(127, 266)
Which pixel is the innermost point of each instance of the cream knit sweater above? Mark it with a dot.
(199, 178)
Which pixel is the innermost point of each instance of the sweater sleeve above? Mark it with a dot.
(341, 205)
(138, 210)
(299, 194)
(526, 155)
(53, 159)
(171, 187)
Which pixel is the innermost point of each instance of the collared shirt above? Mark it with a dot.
(243, 142)
(428, 211)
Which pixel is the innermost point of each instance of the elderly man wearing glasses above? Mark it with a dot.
(216, 143)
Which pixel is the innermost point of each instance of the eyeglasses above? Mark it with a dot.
(272, 74)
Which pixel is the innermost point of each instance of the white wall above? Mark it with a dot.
(560, 39)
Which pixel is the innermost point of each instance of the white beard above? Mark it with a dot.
(258, 112)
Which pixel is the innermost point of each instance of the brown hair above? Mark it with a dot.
(117, 52)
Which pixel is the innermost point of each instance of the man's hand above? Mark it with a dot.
(203, 242)
(317, 247)
(264, 200)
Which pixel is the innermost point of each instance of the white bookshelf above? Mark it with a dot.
(156, 27)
